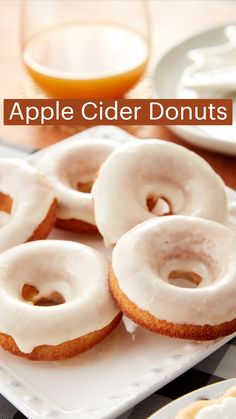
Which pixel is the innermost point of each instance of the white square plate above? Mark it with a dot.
(110, 378)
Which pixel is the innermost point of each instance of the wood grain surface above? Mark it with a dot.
(171, 20)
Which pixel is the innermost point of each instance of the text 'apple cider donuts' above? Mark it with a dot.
(71, 167)
(54, 300)
(148, 178)
(177, 276)
(27, 203)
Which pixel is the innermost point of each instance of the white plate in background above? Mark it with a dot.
(167, 85)
(212, 391)
(110, 378)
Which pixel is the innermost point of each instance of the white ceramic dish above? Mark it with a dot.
(110, 378)
(167, 84)
(212, 391)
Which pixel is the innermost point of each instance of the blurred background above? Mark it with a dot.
(153, 26)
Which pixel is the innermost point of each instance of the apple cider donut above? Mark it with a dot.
(222, 408)
(58, 292)
(27, 203)
(141, 177)
(71, 167)
(177, 276)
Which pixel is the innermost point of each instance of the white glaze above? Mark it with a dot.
(139, 169)
(140, 262)
(78, 272)
(71, 162)
(32, 197)
(224, 410)
(213, 68)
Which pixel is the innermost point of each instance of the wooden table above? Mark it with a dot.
(171, 20)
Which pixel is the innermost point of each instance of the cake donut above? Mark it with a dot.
(222, 408)
(58, 292)
(27, 202)
(71, 167)
(141, 177)
(177, 276)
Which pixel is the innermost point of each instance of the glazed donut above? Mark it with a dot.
(27, 203)
(71, 168)
(140, 175)
(153, 263)
(222, 408)
(58, 292)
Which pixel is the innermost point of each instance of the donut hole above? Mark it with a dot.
(31, 294)
(158, 205)
(82, 184)
(184, 279)
(77, 163)
(73, 179)
(188, 270)
(6, 204)
(78, 168)
(85, 187)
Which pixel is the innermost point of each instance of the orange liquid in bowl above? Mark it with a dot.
(86, 60)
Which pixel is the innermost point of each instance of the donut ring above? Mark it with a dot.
(58, 291)
(197, 410)
(71, 168)
(28, 202)
(139, 176)
(150, 264)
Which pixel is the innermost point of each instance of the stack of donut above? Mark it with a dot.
(161, 208)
